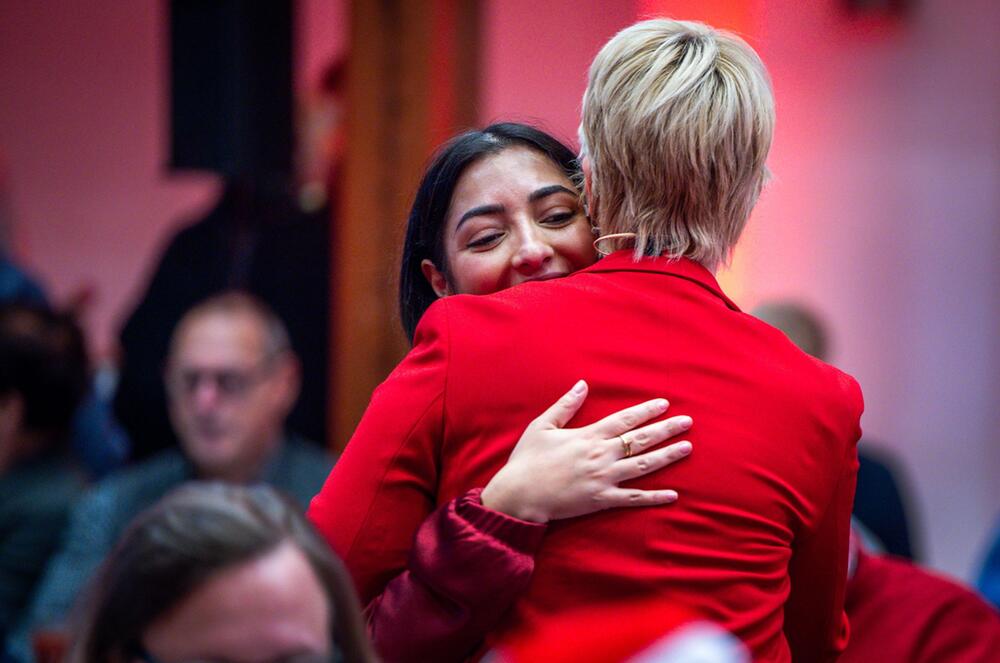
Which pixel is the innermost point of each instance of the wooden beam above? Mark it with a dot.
(412, 82)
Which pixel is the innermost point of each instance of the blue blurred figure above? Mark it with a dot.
(989, 577)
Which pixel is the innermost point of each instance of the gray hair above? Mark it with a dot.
(177, 545)
(677, 125)
(236, 302)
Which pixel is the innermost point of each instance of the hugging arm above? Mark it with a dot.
(437, 580)
(470, 563)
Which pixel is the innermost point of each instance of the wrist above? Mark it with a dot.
(497, 499)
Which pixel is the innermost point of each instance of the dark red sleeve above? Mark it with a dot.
(467, 567)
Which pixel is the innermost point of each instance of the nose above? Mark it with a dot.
(205, 395)
(533, 253)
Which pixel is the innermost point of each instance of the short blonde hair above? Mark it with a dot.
(677, 125)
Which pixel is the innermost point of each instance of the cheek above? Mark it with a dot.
(261, 410)
(479, 273)
(576, 246)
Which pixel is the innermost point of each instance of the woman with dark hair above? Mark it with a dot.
(677, 123)
(499, 207)
(427, 272)
(221, 572)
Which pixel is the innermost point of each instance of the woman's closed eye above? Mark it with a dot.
(485, 240)
(559, 219)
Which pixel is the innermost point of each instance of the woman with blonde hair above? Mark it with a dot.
(676, 128)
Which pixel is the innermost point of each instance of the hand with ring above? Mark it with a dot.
(626, 446)
(556, 472)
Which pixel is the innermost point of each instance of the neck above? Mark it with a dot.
(247, 470)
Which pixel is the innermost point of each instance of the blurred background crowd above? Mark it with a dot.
(199, 199)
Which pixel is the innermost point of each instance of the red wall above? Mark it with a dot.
(536, 55)
(83, 141)
(884, 215)
(82, 134)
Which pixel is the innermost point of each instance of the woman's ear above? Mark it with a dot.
(439, 284)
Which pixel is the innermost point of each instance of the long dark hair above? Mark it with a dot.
(177, 545)
(425, 227)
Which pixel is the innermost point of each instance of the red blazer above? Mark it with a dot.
(759, 538)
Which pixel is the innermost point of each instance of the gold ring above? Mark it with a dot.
(626, 445)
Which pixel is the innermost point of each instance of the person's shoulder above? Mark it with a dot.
(908, 612)
(140, 482)
(839, 384)
(41, 492)
(928, 597)
(463, 330)
(303, 467)
(819, 382)
(307, 453)
(913, 582)
(835, 398)
(524, 304)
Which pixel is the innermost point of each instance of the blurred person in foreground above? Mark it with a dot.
(216, 572)
(232, 379)
(677, 125)
(43, 376)
(988, 582)
(648, 631)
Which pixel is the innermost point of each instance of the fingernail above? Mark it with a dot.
(671, 496)
(685, 421)
(684, 448)
(660, 404)
(578, 388)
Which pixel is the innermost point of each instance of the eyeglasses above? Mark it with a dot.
(228, 382)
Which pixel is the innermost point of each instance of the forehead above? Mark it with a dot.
(262, 609)
(220, 338)
(513, 173)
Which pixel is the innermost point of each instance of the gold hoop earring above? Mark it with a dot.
(603, 238)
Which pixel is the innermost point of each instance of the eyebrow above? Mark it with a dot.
(549, 190)
(485, 210)
(482, 210)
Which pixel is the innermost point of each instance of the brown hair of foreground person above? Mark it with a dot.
(182, 548)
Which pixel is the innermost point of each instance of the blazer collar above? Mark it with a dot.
(683, 268)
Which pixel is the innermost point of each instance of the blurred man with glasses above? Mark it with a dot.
(231, 380)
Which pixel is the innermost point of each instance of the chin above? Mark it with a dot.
(212, 457)
(214, 468)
